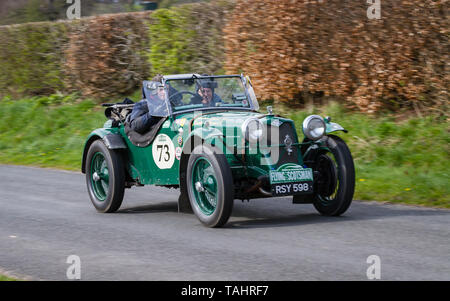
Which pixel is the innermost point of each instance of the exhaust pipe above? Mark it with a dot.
(262, 181)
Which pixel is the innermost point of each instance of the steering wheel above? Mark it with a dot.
(178, 93)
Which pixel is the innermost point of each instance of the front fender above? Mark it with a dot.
(334, 127)
(196, 137)
(202, 135)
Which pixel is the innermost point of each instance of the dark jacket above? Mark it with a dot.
(140, 119)
(197, 99)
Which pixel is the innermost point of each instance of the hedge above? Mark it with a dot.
(31, 58)
(294, 50)
(105, 55)
(110, 55)
(189, 38)
(300, 48)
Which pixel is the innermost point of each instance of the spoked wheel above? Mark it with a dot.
(335, 185)
(327, 185)
(99, 176)
(205, 186)
(105, 177)
(210, 186)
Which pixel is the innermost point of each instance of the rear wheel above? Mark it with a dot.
(210, 186)
(105, 177)
(336, 183)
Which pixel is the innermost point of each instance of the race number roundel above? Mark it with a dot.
(163, 151)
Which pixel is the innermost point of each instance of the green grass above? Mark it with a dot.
(5, 278)
(396, 161)
(46, 131)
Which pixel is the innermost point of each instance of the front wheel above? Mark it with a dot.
(105, 177)
(210, 186)
(335, 185)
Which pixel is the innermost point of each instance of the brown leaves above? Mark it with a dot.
(103, 54)
(331, 47)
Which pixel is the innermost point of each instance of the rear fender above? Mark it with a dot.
(112, 140)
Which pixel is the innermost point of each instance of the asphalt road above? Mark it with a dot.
(46, 215)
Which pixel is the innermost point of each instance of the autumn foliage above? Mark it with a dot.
(105, 55)
(295, 49)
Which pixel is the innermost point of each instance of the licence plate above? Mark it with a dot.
(291, 188)
(291, 179)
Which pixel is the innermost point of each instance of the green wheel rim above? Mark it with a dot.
(204, 185)
(99, 176)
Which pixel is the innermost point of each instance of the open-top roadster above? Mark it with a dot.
(217, 152)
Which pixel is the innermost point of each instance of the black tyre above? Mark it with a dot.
(210, 186)
(336, 183)
(105, 177)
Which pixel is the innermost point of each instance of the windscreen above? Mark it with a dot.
(197, 93)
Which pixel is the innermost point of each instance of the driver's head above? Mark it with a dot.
(206, 94)
(205, 88)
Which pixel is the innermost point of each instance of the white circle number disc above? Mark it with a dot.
(163, 151)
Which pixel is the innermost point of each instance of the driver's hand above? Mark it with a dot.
(203, 95)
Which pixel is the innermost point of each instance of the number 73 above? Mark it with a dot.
(163, 149)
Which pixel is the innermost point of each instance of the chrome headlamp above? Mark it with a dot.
(314, 127)
(253, 130)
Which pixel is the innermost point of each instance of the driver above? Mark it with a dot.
(205, 93)
(140, 118)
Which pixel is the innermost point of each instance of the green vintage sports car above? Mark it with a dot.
(215, 149)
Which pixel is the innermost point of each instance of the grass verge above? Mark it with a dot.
(5, 278)
(46, 131)
(396, 161)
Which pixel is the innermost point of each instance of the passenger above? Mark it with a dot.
(140, 119)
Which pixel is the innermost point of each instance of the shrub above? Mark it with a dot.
(31, 58)
(189, 38)
(169, 41)
(105, 55)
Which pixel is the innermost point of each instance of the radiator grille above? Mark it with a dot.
(284, 130)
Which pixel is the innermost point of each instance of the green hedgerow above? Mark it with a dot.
(169, 51)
